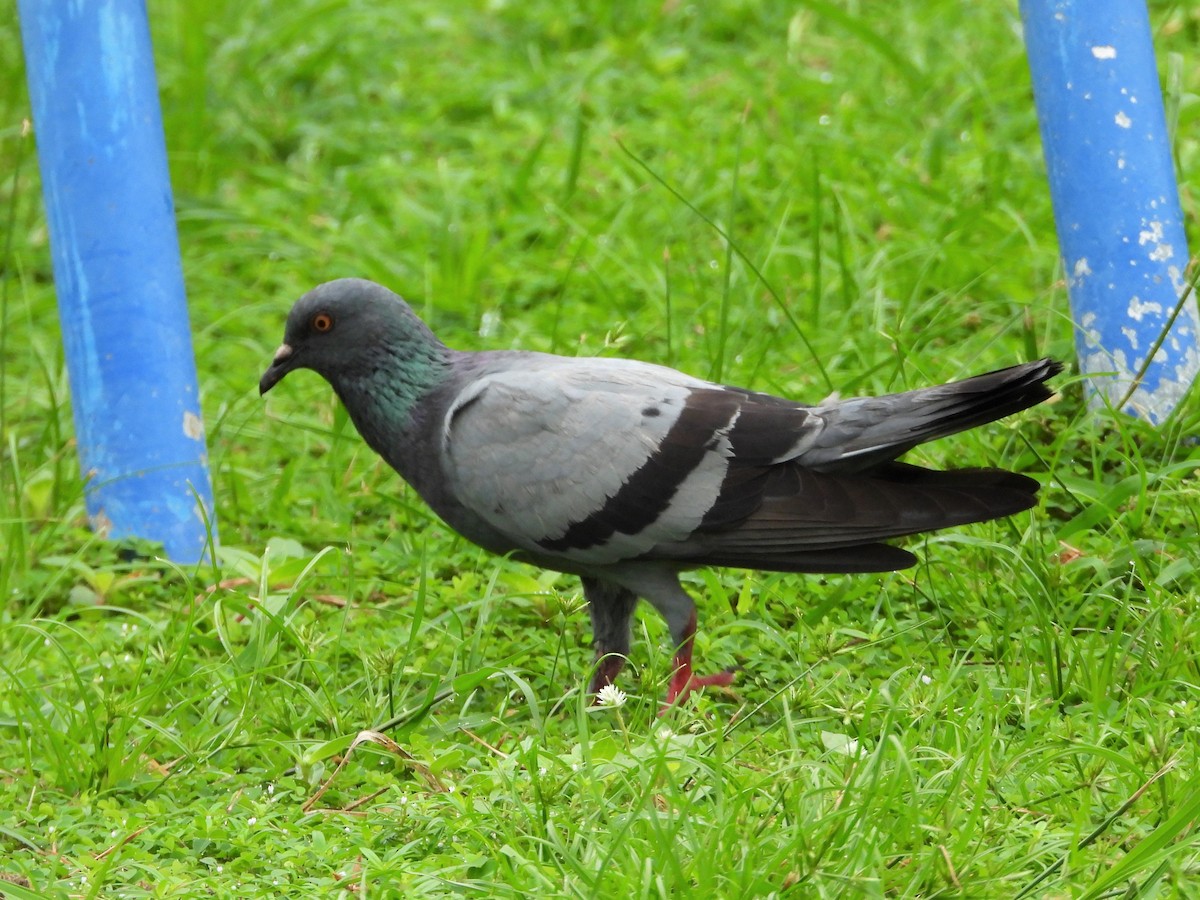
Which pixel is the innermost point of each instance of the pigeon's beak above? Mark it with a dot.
(282, 363)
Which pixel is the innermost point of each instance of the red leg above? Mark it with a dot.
(683, 680)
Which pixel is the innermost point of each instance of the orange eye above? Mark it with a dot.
(322, 322)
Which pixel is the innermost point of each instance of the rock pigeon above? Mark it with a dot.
(626, 473)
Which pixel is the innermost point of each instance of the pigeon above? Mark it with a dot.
(627, 473)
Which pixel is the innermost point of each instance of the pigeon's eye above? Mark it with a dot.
(322, 322)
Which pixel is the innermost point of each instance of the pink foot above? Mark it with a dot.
(684, 681)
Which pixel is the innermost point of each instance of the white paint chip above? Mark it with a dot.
(1153, 233)
(1162, 252)
(192, 426)
(1104, 52)
(1123, 120)
(1091, 334)
(101, 523)
(1138, 308)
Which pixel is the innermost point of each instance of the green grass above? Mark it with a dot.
(796, 197)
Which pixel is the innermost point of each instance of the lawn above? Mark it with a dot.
(800, 198)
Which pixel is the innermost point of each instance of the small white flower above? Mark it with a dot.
(610, 696)
(665, 734)
(252, 820)
(925, 679)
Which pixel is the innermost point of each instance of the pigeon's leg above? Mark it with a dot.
(611, 608)
(678, 608)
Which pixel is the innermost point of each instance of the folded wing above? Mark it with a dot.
(600, 461)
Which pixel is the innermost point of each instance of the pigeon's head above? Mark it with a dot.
(341, 328)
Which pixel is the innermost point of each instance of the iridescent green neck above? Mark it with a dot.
(383, 395)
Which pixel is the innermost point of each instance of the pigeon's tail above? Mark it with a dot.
(812, 522)
(864, 432)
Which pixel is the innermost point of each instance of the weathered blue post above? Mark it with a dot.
(1116, 204)
(117, 270)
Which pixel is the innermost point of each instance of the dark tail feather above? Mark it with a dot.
(983, 494)
(892, 425)
(814, 522)
(962, 405)
(835, 561)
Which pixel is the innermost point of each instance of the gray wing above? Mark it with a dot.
(592, 460)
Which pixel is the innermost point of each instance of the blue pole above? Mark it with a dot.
(117, 270)
(1116, 204)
